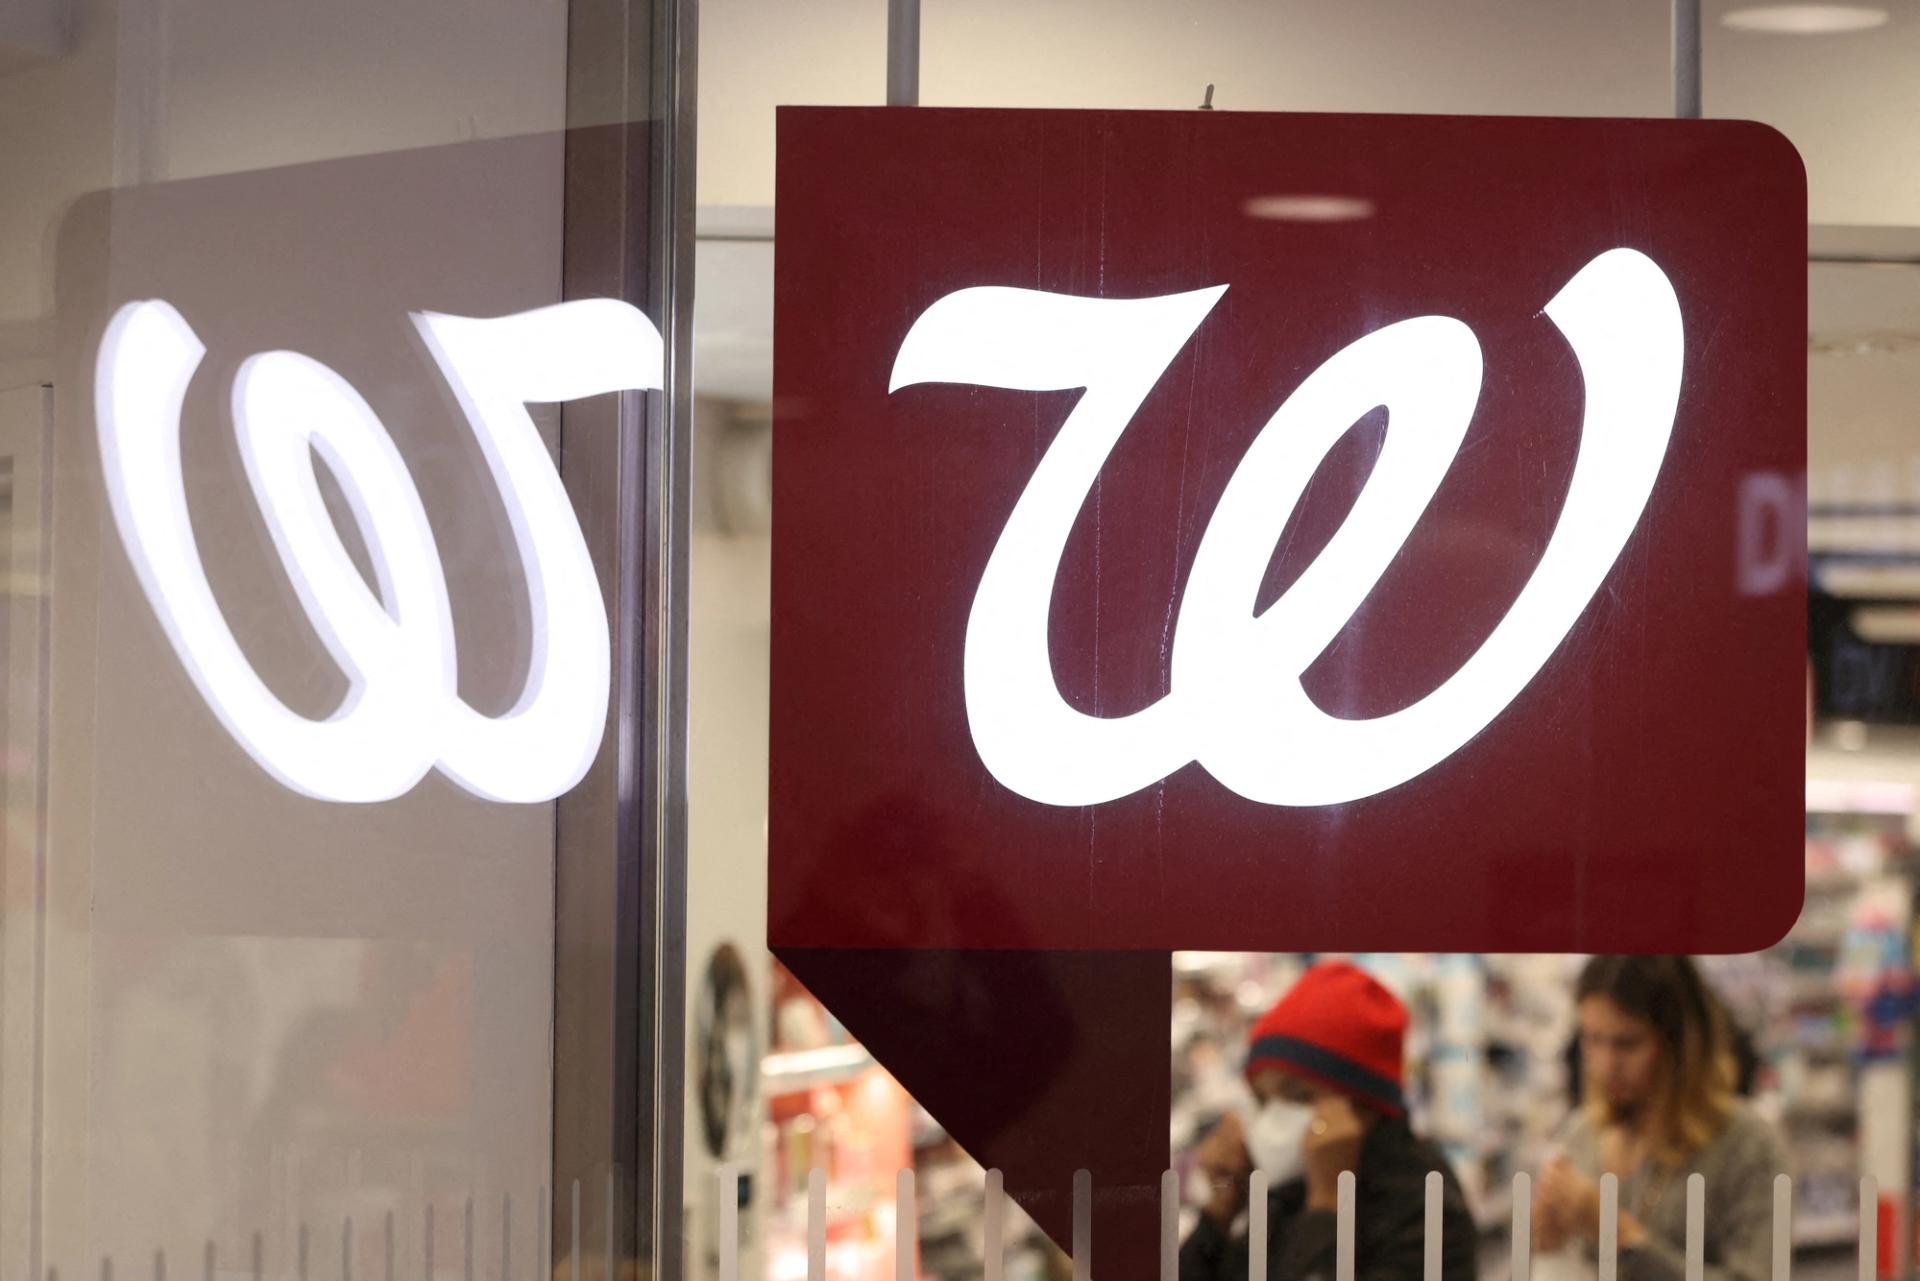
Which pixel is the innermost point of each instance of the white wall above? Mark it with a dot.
(727, 790)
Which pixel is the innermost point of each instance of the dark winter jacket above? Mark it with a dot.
(1389, 1235)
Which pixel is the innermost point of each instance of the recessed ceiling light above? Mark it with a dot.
(1804, 19)
(1309, 208)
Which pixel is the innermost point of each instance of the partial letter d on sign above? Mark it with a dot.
(1773, 516)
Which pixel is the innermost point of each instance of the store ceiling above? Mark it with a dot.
(1849, 101)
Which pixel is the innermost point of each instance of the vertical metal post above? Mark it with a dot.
(1686, 59)
(618, 1040)
(667, 575)
(903, 53)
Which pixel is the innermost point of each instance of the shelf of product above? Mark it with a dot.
(1829, 1008)
(792, 1071)
(1832, 1228)
(832, 1109)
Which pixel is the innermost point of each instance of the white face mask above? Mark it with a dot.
(1276, 1139)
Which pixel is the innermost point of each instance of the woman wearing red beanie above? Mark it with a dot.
(1326, 1065)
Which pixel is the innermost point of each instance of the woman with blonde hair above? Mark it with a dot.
(1659, 1076)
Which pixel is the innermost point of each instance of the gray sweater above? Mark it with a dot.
(1739, 1168)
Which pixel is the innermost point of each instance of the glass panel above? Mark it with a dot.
(335, 487)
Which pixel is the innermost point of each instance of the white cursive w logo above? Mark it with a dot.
(402, 715)
(1235, 702)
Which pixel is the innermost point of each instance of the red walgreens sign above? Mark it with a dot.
(1204, 530)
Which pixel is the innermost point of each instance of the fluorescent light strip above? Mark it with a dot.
(1805, 19)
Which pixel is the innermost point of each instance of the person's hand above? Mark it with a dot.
(1551, 1230)
(1567, 1202)
(1222, 1157)
(1332, 1147)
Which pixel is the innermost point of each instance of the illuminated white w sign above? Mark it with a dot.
(402, 715)
(1235, 702)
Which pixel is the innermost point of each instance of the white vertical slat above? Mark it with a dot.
(1082, 1225)
(1609, 1227)
(1782, 1228)
(506, 1236)
(817, 1225)
(996, 1226)
(1869, 1229)
(1343, 1228)
(573, 1245)
(906, 1227)
(1257, 1192)
(729, 1229)
(1696, 1227)
(611, 1250)
(1170, 1227)
(1436, 1225)
(1522, 1228)
(542, 1224)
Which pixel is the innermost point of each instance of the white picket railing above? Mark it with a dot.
(1257, 1227)
(299, 1256)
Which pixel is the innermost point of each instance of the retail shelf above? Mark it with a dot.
(1810, 993)
(1191, 963)
(1827, 1229)
(791, 1071)
(949, 1220)
(1859, 796)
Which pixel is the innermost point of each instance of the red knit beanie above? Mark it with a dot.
(1341, 1028)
